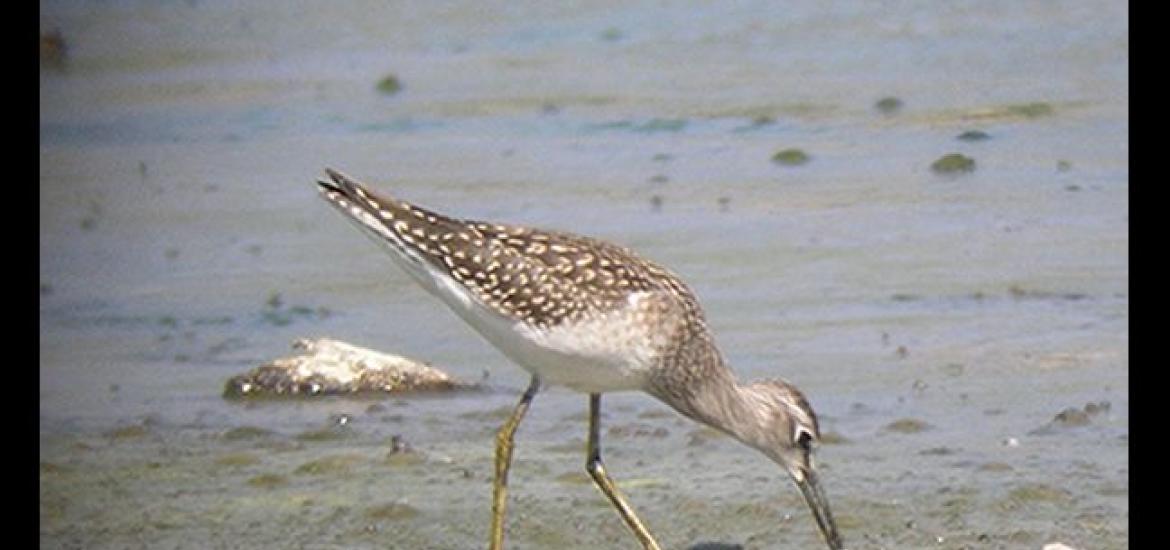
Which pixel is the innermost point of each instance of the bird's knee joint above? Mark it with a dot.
(595, 468)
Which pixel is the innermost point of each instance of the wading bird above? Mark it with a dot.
(596, 318)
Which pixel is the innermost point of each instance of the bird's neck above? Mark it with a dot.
(727, 406)
(711, 395)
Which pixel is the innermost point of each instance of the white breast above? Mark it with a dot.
(611, 352)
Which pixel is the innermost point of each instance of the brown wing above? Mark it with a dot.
(540, 277)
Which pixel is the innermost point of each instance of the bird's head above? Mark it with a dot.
(785, 429)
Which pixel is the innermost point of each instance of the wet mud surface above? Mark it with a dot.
(962, 333)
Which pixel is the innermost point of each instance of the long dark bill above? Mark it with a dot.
(810, 486)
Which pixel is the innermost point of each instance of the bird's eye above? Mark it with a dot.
(804, 439)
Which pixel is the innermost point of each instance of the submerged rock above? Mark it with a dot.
(330, 367)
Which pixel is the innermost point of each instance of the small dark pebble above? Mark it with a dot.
(656, 202)
(888, 105)
(724, 203)
(763, 120)
(389, 85)
(973, 135)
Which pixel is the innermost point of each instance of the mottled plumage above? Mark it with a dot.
(546, 287)
(543, 278)
(593, 316)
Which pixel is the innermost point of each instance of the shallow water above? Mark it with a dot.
(938, 323)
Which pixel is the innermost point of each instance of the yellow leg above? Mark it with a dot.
(605, 483)
(504, 462)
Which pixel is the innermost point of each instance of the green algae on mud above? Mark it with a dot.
(907, 426)
(790, 157)
(400, 459)
(238, 459)
(1031, 110)
(246, 433)
(389, 85)
(268, 481)
(328, 433)
(953, 163)
(888, 105)
(331, 465)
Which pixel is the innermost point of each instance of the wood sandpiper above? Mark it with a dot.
(596, 318)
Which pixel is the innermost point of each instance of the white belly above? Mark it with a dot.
(605, 354)
(614, 352)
